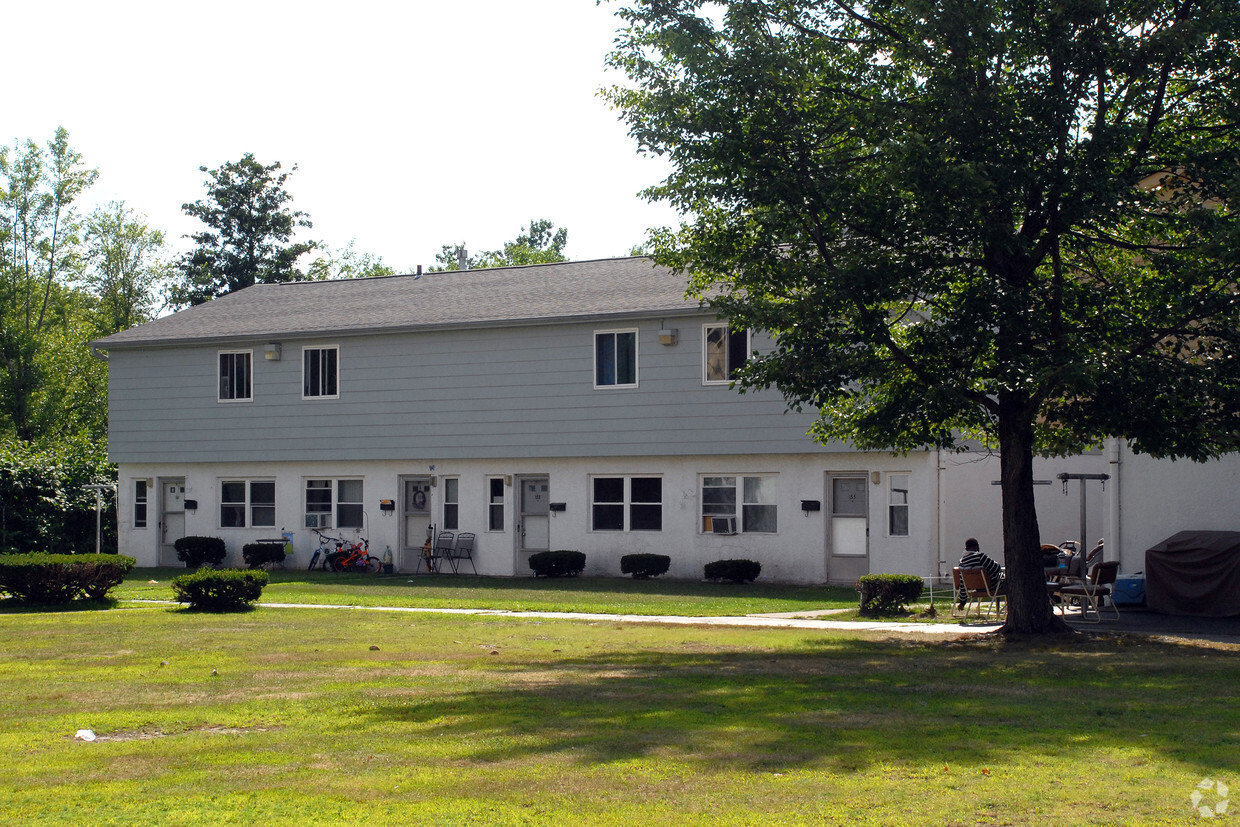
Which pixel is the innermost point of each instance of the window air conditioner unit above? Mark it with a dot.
(723, 525)
(318, 521)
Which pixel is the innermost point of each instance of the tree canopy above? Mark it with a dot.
(1007, 221)
(249, 233)
(540, 243)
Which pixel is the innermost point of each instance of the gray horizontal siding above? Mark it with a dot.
(464, 394)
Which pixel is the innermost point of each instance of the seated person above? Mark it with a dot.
(974, 559)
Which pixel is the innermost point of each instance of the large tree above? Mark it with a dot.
(249, 233)
(1001, 220)
(40, 233)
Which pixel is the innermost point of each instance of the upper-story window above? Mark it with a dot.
(320, 369)
(235, 374)
(725, 352)
(615, 359)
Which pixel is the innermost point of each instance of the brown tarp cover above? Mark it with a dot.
(1194, 573)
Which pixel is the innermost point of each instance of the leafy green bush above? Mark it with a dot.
(195, 551)
(642, 566)
(257, 555)
(60, 578)
(888, 593)
(558, 563)
(44, 503)
(737, 571)
(219, 589)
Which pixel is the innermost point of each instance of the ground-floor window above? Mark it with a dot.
(626, 503)
(335, 503)
(495, 504)
(755, 496)
(897, 508)
(139, 504)
(451, 503)
(247, 503)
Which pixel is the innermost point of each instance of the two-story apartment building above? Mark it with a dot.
(582, 405)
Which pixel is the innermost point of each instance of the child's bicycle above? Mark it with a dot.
(353, 558)
(325, 550)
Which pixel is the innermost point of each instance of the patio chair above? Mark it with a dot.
(432, 555)
(442, 550)
(978, 587)
(463, 550)
(1091, 593)
(958, 588)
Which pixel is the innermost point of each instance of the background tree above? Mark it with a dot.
(347, 263)
(541, 243)
(249, 235)
(1008, 221)
(42, 260)
(124, 267)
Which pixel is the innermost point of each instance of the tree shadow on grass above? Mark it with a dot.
(11, 605)
(848, 704)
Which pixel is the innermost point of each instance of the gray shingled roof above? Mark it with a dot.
(576, 290)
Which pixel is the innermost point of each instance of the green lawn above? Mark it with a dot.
(605, 595)
(501, 721)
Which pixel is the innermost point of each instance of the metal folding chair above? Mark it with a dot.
(463, 550)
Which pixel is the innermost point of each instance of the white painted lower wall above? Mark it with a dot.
(1155, 499)
(798, 552)
(950, 499)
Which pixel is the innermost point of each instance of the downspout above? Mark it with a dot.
(1114, 545)
(940, 526)
(102, 356)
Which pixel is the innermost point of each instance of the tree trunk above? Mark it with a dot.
(1029, 608)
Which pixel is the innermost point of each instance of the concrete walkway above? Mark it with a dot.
(800, 620)
(1132, 620)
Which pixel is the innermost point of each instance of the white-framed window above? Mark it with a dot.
(495, 503)
(320, 372)
(624, 503)
(451, 503)
(139, 503)
(724, 352)
(236, 370)
(750, 501)
(334, 503)
(615, 359)
(897, 505)
(247, 503)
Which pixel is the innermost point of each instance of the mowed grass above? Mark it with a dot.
(593, 595)
(458, 720)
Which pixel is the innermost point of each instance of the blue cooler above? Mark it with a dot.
(1129, 591)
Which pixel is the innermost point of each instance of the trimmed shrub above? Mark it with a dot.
(219, 589)
(642, 566)
(60, 578)
(737, 571)
(888, 593)
(195, 551)
(257, 555)
(558, 563)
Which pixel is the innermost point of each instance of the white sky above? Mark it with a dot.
(413, 124)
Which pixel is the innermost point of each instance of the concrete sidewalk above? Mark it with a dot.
(1133, 620)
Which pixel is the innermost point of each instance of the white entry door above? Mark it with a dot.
(534, 520)
(171, 519)
(849, 537)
